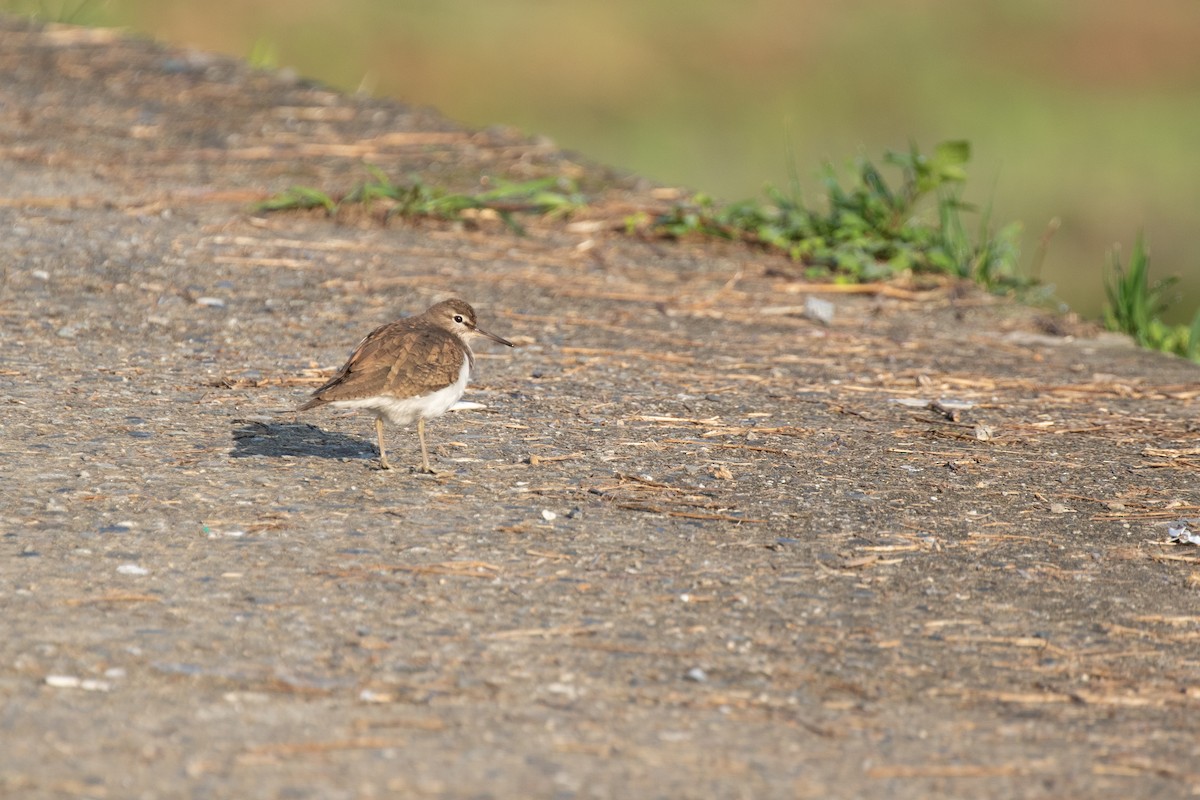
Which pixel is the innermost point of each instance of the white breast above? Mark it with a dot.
(406, 410)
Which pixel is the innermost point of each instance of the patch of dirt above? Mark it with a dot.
(696, 544)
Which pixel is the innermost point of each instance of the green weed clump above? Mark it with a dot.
(547, 197)
(871, 229)
(1134, 306)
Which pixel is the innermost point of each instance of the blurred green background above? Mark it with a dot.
(1078, 110)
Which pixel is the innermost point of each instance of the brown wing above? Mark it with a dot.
(398, 359)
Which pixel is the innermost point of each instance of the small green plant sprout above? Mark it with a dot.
(264, 54)
(1135, 305)
(872, 229)
(297, 198)
(546, 197)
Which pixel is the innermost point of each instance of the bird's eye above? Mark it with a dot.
(458, 318)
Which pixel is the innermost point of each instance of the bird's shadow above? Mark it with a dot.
(296, 439)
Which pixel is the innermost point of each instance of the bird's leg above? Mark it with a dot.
(383, 462)
(424, 453)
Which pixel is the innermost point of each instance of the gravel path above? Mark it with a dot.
(694, 544)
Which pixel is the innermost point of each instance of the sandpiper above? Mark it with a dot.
(413, 368)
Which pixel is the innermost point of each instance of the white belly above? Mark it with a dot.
(406, 410)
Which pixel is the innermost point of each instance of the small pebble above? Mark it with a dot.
(1180, 533)
(211, 302)
(549, 515)
(818, 310)
(62, 681)
(696, 675)
(132, 569)
(72, 682)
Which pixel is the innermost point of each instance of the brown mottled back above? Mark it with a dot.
(411, 357)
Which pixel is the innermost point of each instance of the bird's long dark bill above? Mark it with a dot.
(493, 336)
